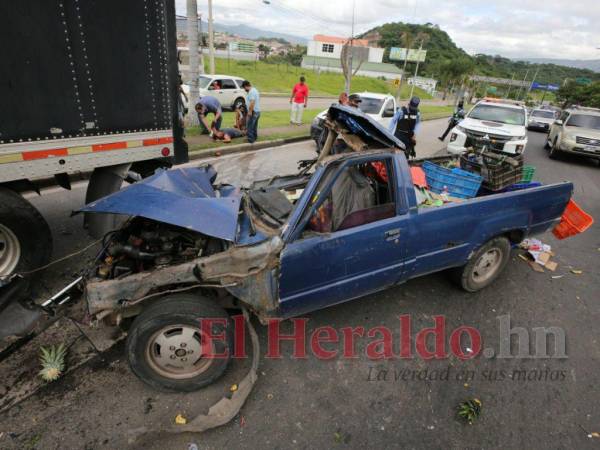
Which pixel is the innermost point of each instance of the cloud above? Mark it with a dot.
(512, 28)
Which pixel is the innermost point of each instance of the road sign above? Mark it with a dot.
(583, 80)
(414, 55)
(397, 82)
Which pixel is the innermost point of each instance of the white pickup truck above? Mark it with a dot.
(380, 107)
(498, 124)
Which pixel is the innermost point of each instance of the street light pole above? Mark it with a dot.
(412, 89)
(211, 40)
(350, 57)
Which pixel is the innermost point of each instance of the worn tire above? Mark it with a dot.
(30, 229)
(165, 314)
(468, 277)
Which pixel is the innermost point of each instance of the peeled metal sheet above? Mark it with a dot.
(181, 197)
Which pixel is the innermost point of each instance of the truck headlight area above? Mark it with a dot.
(453, 137)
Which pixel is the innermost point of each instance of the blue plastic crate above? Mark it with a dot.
(460, 183)
(520, 186)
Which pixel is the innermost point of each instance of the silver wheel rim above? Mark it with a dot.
(10, 251)
(487, 265)
(175, 352)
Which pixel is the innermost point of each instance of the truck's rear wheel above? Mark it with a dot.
(164, 346)
(485, 265)
(25, 237)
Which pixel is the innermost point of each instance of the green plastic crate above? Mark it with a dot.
(527, 175)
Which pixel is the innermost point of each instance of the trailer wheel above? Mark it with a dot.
(25, 237)
(485, 265)
(164, 343)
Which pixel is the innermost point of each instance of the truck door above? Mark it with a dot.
(349, 241)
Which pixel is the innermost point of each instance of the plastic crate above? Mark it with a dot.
(573, 221)
(460, 183)
(496, 175)
(521, 186)
(527, 174)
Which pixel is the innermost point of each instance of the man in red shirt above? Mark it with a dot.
(298, 100)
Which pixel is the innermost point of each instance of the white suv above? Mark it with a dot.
(499, 125)
(227, 89)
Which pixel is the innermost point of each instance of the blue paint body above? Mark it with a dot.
(323, 270)
(320, 270)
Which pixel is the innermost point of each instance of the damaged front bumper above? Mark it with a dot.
(245, 272)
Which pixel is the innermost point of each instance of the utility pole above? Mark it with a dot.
(510, 86)
(211, 40)
(412, 89)
(521, 87)
(192, 23)
(532, 81)
(350, 57)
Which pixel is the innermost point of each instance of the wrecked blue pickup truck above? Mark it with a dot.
(335, 231)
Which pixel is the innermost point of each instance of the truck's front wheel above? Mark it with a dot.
(485, 265)
(165, 343)
(25, 237)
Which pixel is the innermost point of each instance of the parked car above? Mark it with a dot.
(380, 107)
(227, 89)
(577, 131)
(289, 245)
(541, 119)
(498, 124)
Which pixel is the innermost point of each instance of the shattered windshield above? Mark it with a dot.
(491, 113)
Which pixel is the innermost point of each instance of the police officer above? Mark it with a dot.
(405, 125)
(459, 114)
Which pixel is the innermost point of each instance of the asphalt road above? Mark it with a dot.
(359, 403)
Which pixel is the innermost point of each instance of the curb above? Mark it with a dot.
(241, 148)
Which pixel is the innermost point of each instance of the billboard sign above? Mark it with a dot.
(545, 87)
(414, 55)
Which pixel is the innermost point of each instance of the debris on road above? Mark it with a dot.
(538, 255)
(53, 362)
(180, 420)
(470, 410)
(576, 272)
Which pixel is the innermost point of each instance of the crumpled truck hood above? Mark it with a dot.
(181, 197)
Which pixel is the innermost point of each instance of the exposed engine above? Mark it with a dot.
(144, 244)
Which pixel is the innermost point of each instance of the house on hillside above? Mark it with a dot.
(323, 54)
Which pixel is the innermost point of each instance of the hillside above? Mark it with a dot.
(590, 64)
(441, 49)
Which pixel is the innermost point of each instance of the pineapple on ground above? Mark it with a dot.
(53, 362)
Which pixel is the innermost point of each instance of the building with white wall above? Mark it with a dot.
(324, 52)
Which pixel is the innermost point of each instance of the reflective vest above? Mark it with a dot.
(406, 126)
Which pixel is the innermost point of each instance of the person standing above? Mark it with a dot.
(253, 102)
(459, 114)
(405, 125)
(207, 105)
(299, 101)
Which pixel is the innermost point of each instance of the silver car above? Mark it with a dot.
(541, 119)
(577, 131)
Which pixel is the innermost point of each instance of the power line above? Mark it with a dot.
(304, 15)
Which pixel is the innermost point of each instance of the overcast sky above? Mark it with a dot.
(511, 28)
